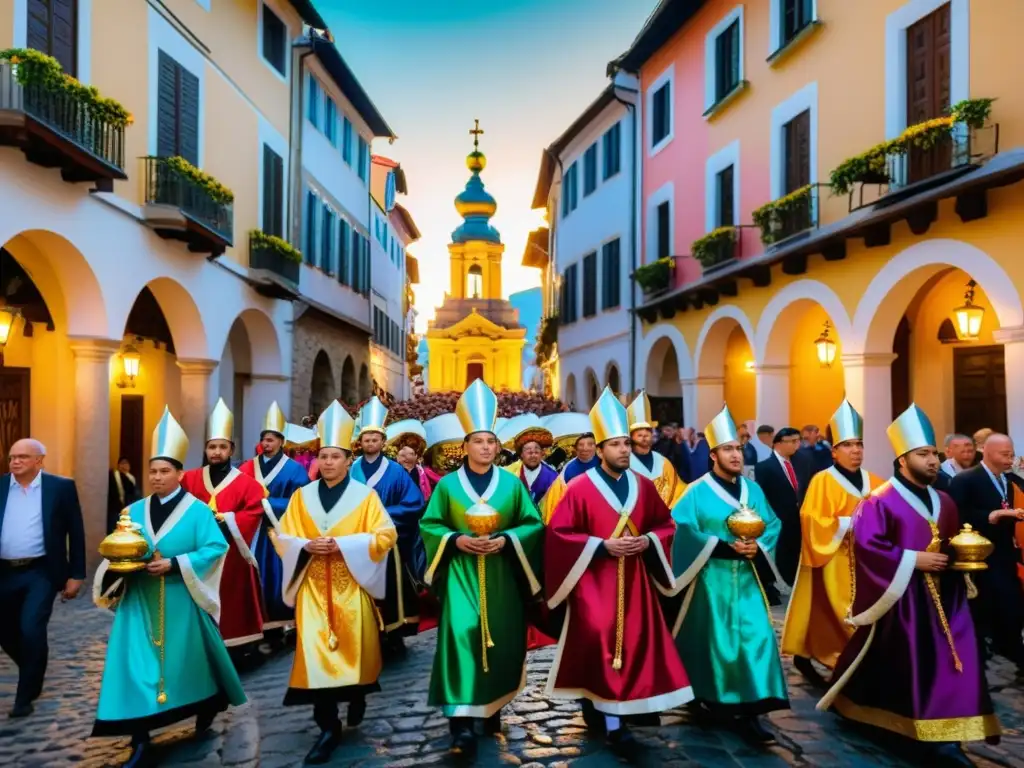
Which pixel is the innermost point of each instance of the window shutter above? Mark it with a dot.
(798, 152)
(167, 106)
(309, 244)
(273, 192)
(53, 29)
(343, 245)
(590, 284)
(188, 116)
(327, 240)
(664, 246)
(726, 211)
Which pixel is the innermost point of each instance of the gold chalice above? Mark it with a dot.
(483, 520)
(745, 524)
(971, 550)
(125, 548)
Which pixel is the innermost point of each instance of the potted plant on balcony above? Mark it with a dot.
(656, 276)
(715, 248)
(217, 191)
(261, 241)
(786, 216)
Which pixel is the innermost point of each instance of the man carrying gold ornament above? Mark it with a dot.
(647, 462)
(724, 630)
(483, 537)
(334, 541)
(165, 661)
(816, 626)
(913, 665)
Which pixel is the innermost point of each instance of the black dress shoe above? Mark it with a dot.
(752, 731)
(203, 722)
(805, 667)
(594, 720)
(463, 743)
(492, 725)
(21, 710)
(325, 744)
(950, 755)
(141, 755)
(621, 741)
(356, 712)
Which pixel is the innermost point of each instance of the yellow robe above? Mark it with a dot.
(666, 480)
(360, 525)
(816, 618)
(552, 497)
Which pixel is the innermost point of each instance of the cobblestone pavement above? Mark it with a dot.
(401, 730)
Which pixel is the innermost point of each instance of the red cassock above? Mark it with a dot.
(239, 498)
(580, 574)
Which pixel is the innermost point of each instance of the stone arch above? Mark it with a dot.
(364, 383)
(183, 318)
(684, 359)
(265, 348)
(593, 385)
(711, 343)
(65, 280)
(570, 391)
(321, 390)
(774, 338)
(887, 297)
(612, 377)
(349, 392)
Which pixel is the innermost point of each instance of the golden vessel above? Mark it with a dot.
(125, 548)
(483, 519)
(971, 550)
(745, 524)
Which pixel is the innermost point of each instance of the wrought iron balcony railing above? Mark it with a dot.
(166, 186)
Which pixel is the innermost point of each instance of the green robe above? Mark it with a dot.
(197, 673)
(724, 632)
(458, 682)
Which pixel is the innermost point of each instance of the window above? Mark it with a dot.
(724, 197)
(177, 130)
(796, 14)
(273, 192)
(727, 61)
(346, 141)
(309, 244)
(570, 189)
(53, 29)
(590, 170)
(570, 290)
(327, 241)
(364, 158)
(330, 120)
(590, 284)
(357, 260)
(344, 240)
(474, 282)
(313, 101)
(797, 151)
(611, 275)
(664, 231)
(275, 40)
(661, 117)
(611, 150)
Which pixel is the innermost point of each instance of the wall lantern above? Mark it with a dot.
(8, 315)
(130, 361)
(967, 318)
(826, 347)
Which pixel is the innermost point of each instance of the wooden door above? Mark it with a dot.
(132, 439)
(900, 369)
(474, 371)
(14, 409)
(928, 81)
(979, 388)
(53, 29)
(798, 151)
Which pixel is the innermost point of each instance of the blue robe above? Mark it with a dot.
(402, 498)
(286, 477)
(196, 672)
(576, 467)
(545, 477)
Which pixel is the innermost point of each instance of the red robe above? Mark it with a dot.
(580, 574)
(239, 498)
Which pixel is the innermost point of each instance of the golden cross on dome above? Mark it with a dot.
(476, 132)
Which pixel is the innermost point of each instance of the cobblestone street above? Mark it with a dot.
(401, 730)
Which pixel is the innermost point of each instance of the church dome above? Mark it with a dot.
(474, 204)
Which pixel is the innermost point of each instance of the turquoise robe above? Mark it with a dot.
(197, 672)
(458, 683)
(724, 631)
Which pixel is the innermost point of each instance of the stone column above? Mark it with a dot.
(689, 387)
(772, 387)
(1012, 340)
(868, 379)
(261, 392)
(92, 435)
(195, 405)
(710, 399)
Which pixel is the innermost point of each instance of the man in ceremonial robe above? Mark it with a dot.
(280, 476)
(236, 503)
(122, 490)
(724, 631)
(913, 666)
(816, 626)
(606, 558)
(482, 581)
(530, 468)
(404, 502)
(334, 539)
(165, 660)
(647, 462)
(586, 458)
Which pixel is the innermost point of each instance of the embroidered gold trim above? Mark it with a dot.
(951, 729)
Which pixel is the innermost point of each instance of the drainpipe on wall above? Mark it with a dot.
(301, 50)
(634, 231)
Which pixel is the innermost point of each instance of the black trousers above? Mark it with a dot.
(998, 610)
(26, 602)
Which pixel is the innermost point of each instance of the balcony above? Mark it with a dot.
(718, 249)
(952, 154)
(656, 278)
(83, 136)
(274, 266)
(791, 215)
(182, 203)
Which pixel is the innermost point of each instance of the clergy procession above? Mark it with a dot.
(507, 535)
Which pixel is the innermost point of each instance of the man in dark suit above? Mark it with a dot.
(42, 552)
(985, 497)
(122, 491)
(784, 482)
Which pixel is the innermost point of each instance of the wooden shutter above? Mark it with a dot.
(798, 151)
(53, 29)
(928, 80)
(590, 284)
(273, 192)
(343, 244)
(188, 116)
(167, 106)
(664, 247)
(726, 212)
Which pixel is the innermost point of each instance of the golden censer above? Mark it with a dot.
(745, 524)
(483, 520)
(125, 548)
(971, 550)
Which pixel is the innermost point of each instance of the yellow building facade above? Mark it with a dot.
(902, 285)
(476, 333)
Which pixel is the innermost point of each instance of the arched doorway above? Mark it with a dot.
(662, 382)
(235, 380)
(725, 366)
(613, 378)
(321, 391)
(474, 370)
(570, 391)
(349, 393)
(364, 383)
(593, 387)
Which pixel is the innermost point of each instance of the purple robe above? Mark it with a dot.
(898, 671)
(543, 481)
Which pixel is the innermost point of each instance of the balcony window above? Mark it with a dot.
(661, 117)
(611, 274)
(590, 170)
(664, 230)
(724, 197)
(177, 131)
(590, 284)
(273, 192)
(52, 27)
